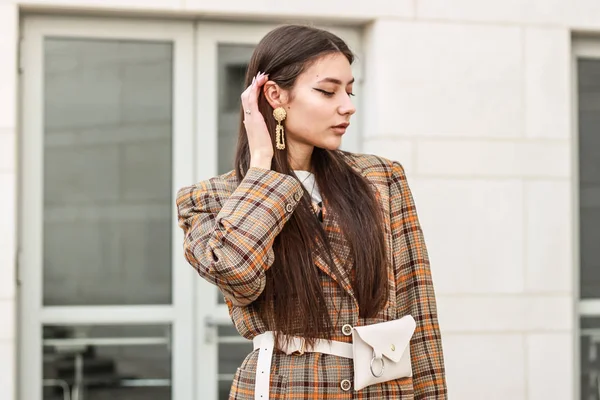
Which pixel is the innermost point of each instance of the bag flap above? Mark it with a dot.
(390, 338)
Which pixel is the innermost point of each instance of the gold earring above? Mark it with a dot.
(279, 114)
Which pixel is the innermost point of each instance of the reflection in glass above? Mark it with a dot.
(589, 211)
(589, 176)
(107, 172)
(232, 351)
(107, 362)
(590, 358)
(232, 62)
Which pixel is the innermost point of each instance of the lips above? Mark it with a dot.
(343, 125)
(340, 129)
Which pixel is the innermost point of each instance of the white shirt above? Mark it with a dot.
(309, 182)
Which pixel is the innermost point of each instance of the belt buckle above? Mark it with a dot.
(302, 348)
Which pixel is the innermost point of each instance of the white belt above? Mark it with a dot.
(265, 343)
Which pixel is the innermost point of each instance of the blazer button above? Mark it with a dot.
(345, 385)
(347, 330)
(297, 196)
(289, 207)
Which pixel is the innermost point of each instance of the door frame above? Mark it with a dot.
(209, 35)
(33, 315)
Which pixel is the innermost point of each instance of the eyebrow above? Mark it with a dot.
(336, 81)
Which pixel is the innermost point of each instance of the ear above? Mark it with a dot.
(276, 96)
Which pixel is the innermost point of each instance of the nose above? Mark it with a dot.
(347, 108)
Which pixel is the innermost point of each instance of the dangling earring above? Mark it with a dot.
(279, 114)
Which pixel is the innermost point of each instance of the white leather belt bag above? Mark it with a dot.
(380, 353)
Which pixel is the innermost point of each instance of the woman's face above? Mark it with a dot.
(319, 106)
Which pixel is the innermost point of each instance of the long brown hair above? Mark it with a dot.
(293, 301)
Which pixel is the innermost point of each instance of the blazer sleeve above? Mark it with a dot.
(228, 238)
(415, 294)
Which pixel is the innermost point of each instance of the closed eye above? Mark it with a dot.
(330, 94)
(325, 92)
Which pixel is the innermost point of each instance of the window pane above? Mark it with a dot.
(107, 172)
(590, 358)
(232, 62)
(107, 362)
(589, 175)
(233, 349)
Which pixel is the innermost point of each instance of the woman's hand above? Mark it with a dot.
(259, 140)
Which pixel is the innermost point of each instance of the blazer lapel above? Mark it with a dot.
(379, 183)
(383, 198)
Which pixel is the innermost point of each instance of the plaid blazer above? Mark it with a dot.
(230, 226)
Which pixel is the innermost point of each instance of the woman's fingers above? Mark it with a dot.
(250, 95)
(259, 140)
(245, 95)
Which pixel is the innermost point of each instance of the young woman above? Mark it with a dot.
(307, 242)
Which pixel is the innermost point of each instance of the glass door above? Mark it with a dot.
(118, 115)
(224, 51)
(106, 295)
(587, 72)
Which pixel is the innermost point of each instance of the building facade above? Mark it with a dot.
(108, 107)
